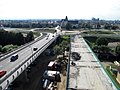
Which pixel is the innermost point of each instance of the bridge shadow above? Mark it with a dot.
(35, 75)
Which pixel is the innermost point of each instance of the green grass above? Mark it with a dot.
(93, 38)
(46, 30)
(99, 32)
(66, 37)
(114, 66)
(8, 48)
(118, 32)
(112, 75)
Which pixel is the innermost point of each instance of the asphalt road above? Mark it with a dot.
(23, 55)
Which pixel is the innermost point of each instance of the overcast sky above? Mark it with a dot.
(58, 9)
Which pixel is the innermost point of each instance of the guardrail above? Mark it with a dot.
(19, 48)
(68, 67)
(113, 82)
(3, 79)
(102, 35)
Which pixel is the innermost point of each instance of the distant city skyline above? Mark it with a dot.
(58, 9)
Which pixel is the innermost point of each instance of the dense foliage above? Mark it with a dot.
(100, 46)
(7, 48)
(102, 41)
(68, 26)
(117, 50)
(62, 45)
(7, 38)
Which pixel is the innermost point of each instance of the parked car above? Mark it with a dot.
(52, 75)
(76, 56)
(2, 73)
(46, 83)
(14, 57)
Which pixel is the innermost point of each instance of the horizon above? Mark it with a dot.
(58, 19)
(52, 9)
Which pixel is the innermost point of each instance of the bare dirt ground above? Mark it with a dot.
(62, 85)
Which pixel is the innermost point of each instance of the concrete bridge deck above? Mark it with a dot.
(87, 73)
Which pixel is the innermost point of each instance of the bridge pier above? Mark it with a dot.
(25, 77)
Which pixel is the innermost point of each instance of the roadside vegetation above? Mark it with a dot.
(62, 45)
(61, 48)
(112, 75)
(106, 52)
(50, 30)
(11, 40)
(98, 32)
(7, 48)
(100, 45)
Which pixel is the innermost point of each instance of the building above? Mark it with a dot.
(64, 22)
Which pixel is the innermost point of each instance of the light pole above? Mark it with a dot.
(31, 52)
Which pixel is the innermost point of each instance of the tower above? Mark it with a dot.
(66, 18)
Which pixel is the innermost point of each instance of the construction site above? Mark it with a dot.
(85, 71)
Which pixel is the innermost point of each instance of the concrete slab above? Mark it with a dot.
(87, 73)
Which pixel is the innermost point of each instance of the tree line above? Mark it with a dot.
(7, 38)
(70, 26)
(29, 25)
(104, 51)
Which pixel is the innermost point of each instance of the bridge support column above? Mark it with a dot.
(25, 77)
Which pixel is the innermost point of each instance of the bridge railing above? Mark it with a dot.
(19, 48)
(31, 57)
(113, 82)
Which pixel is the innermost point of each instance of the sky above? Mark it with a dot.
(58, 9)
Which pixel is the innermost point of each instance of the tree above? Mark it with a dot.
(96, 49)
(102, 41)
(115, 27)
(107, 26)
(7, 48)
(19, 39)
(104, 49)
(117, 50)
(98, 26)
(0, 48)
(57, 49)
(30, 36)
(68, 26)
(64, 44)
